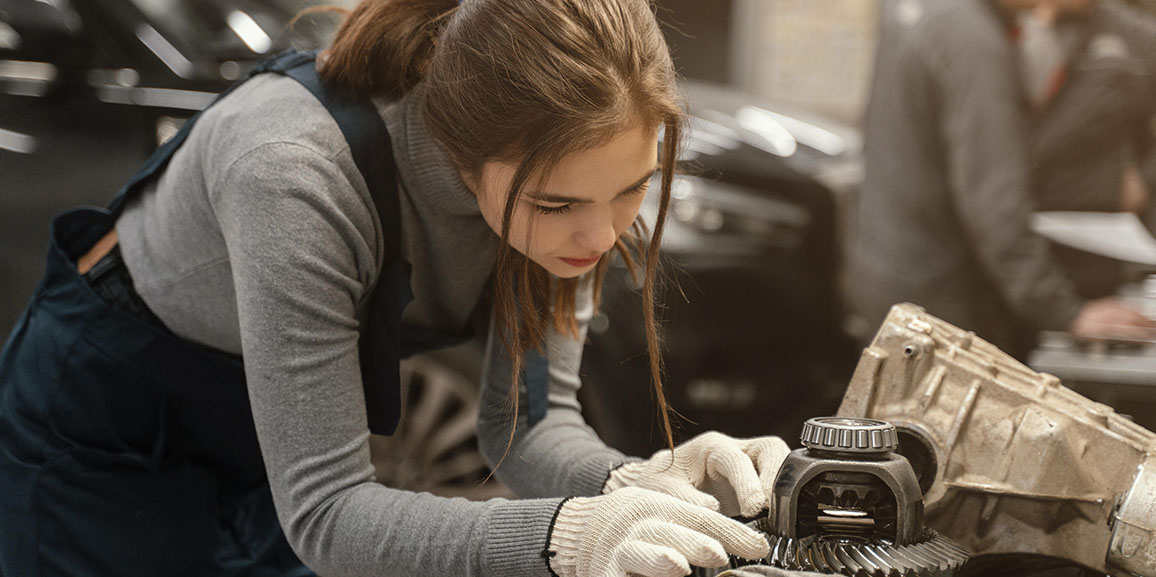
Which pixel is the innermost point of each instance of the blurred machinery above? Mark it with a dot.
(1009, 460)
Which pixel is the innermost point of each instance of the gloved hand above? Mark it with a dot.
(644, 533)
(724, 474)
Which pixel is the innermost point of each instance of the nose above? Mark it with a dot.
(597, 233)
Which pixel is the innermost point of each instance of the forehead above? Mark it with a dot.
(619, 161)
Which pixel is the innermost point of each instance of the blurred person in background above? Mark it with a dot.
(1090, 84)
(943, 213)
(192, 389)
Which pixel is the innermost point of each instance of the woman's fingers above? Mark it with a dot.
(750, 466)
(735, 537)
(649, 560)
(698, 548)
(687, 492)
(731, 463)
(768, 453)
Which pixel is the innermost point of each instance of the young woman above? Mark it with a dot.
(192, 389)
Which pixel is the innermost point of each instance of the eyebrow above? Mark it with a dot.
(544, 197)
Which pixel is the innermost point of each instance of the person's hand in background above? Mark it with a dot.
(1111, 318)
(1134, 194)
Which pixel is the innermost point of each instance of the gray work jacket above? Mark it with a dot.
(1102, 117)
(944, 208)
(1100, 120)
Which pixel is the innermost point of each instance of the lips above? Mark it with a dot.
(581, 262)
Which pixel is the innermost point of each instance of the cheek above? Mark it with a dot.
(492, 218)
(524, 231)
(491, 204)
(624, 216)
(493, 209)
(529, 233)
(549, 234)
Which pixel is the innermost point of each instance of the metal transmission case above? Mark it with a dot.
(1009, 460)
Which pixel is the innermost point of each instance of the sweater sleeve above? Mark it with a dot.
(560, 455)
(301, 266)
(983, 131)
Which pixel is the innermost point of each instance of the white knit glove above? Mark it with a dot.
(724, 474)
(644, 533)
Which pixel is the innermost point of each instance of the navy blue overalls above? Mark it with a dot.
(125, 450)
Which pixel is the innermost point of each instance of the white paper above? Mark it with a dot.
(1119, 235)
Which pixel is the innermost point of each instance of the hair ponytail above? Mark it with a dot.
(383, 46)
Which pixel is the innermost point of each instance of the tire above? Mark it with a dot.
(435, 448)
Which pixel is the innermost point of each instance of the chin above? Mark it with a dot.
(569, 273)
(563, 271)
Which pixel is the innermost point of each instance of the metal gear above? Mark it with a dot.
(848, 504)
(934, 554)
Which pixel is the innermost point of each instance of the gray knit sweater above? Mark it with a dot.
(260, 239)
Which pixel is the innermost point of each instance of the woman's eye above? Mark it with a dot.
(552, 209)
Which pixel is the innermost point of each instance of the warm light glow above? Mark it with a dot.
(249, 32)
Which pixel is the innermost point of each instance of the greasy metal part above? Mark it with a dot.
(753, 571)
(847, 504)
(849, 435)
(933, 554)
(1133, 545)
(809, 469)
(1011, 461)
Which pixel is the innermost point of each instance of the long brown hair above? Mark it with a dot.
(527, 81)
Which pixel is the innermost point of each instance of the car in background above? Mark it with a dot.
(89, 87)
(159, 60)
(753, 327)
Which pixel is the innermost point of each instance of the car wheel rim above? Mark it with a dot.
(435, 447)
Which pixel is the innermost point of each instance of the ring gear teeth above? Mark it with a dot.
(932, 556)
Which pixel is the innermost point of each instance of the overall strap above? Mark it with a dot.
(161, 156)
(379, 343)
(368, 140)
(372, 151)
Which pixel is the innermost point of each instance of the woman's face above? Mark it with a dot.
(567, 222)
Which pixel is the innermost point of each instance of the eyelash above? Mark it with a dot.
(566, 207)
(553, 209)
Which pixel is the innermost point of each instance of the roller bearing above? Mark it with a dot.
(847, 435)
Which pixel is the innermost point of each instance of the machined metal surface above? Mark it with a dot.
(847, 504)
(849, 435)
(1009, 459)
(932, 554)
(813, 485)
